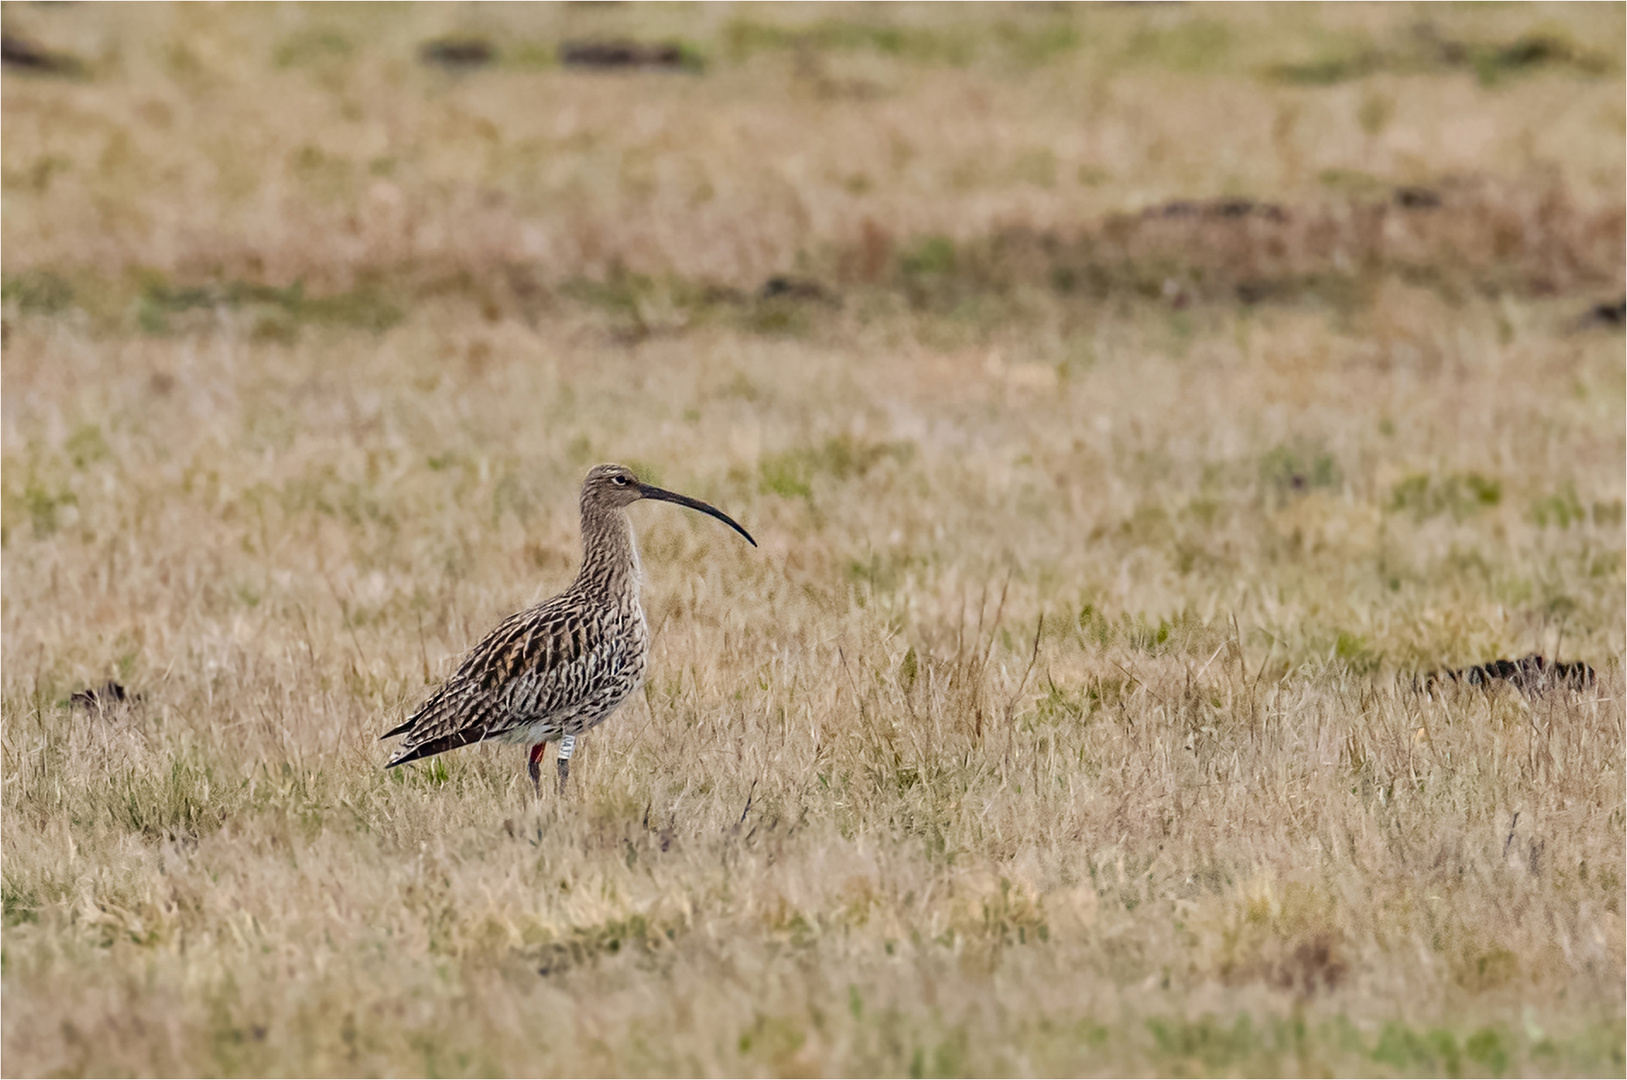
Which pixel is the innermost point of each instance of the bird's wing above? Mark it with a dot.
(520, 672)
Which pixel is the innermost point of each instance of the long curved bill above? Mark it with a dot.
(650, 491)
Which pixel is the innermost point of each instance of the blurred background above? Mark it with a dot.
(513, 152)
(1130, 401)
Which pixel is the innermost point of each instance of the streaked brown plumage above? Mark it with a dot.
(555, 670)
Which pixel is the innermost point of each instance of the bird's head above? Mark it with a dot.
(612, 487)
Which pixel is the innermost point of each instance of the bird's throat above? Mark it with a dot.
(609, 551)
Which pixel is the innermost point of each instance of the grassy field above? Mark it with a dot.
(1129, 402)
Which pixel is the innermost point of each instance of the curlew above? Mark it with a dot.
(551, 672)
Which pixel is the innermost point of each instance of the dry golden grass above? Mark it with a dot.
(1064, 721)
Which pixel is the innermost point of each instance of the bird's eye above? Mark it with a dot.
(622, 480)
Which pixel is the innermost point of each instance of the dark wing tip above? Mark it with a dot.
(440, 745)
(399, 729)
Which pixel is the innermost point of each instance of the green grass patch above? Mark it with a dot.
(1427, 51)
(792, 473)
(1460, 495)
(1298, 468)
(37, 292)
(1024, 43)
(278, 311)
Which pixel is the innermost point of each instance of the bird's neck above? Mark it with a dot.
(609, 552)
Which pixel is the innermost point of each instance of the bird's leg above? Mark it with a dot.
(567, 746)
(534, 766)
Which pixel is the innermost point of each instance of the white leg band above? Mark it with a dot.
(567, 747)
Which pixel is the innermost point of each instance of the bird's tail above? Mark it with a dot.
(400, 729)
(456, 715)
(431, 747)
